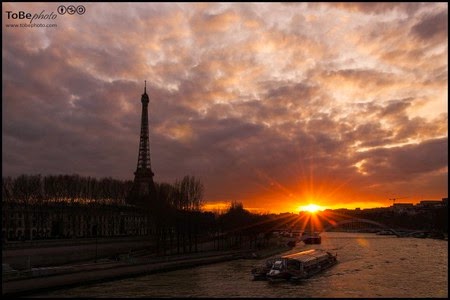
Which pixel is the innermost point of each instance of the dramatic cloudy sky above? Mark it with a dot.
(274, 105)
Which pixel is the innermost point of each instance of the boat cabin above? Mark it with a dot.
(301, 264)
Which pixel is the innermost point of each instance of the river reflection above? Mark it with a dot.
(368, 266)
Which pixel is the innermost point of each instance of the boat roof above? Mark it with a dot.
(307, 255)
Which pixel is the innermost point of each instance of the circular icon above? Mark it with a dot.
(62, 9)
(81, 9)
(71, 9)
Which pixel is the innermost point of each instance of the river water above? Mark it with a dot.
(368, 266)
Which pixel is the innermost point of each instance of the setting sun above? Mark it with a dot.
(312, 208)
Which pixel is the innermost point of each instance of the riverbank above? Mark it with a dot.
(47, 253)
(39, 279)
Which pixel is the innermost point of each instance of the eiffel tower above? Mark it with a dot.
(143, 189)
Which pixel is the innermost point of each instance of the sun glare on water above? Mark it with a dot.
(312, 208)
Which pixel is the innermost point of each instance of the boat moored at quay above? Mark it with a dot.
(297, 266)
(310, 238)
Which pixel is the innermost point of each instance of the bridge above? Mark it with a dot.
(364, 221)
(290, 231)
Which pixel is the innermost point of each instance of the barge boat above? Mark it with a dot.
(297, 266)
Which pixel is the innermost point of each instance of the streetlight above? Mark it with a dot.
(96, 241)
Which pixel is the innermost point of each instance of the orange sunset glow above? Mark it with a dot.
(284, 107)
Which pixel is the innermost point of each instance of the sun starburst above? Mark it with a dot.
(312, 208)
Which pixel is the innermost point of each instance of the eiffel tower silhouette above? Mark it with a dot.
(143, 189)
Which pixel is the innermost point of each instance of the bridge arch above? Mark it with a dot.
(355, 220)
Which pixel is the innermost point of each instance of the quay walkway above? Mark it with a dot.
(36, 279)
(46, 278)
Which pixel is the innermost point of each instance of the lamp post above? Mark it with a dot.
(96, 241)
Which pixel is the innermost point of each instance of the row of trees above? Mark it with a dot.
(36, 189)
(184, 194)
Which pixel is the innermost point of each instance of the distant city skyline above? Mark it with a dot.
(275, 105)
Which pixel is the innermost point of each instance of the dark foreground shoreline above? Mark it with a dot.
(88, 273)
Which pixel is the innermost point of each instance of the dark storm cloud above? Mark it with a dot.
(69, 119)
(372, 135)
(432, 27)
(407, 162)
(395, 107)
(419, 128)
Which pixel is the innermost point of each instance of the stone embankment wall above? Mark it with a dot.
(45, 253)
(25, 255)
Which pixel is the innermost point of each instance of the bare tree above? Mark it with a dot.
(191, 193)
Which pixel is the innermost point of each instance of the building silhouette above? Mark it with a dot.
(143, 191)
(63, 220)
